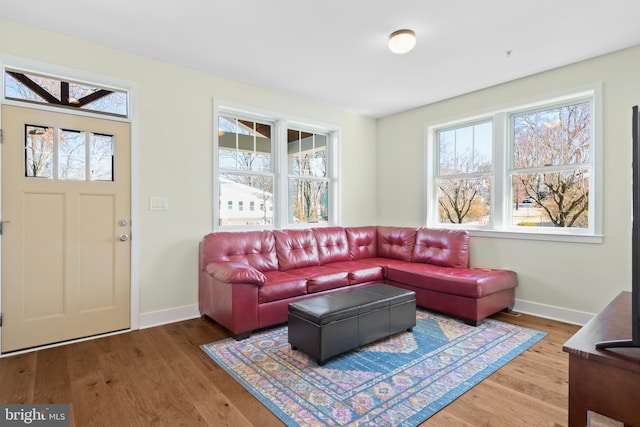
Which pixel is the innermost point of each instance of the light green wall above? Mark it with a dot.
(174, 122)
(576, 276)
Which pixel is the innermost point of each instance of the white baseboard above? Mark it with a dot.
(552, 312)
(177, 314)
(170, 315)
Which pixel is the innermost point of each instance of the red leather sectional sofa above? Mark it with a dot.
(247, 279)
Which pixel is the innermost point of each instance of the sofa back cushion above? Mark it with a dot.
(363, 242)
(332, 244)
(396, 242)
(296, 249)
(254, 248)
(447, 248)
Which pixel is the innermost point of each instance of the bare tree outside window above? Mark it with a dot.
(101, 160)
(464, 174)
(71, 157)
(308, 177)
(67, 160)
(41, 89)
(524, 169)
(39, 151)
(551, 166)
(464, 200)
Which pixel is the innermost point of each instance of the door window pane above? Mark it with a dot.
(71, 155)
(67, 160)
(101, 157)
(38, 151)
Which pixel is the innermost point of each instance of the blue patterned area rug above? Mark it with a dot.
(400, 381)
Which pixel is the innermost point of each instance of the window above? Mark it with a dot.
(531, 169)
(463, 176)
(43, 89)
(281, 168)
(67, 154)
(245, 159)
(308, 176)
(551, 166)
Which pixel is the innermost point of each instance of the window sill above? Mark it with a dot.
(550, 237)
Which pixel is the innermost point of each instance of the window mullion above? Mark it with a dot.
(281, 175)
(431, 160)
(87, 155)
(56, 152)
(502, 151)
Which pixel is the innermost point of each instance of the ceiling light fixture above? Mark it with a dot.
(402, 41)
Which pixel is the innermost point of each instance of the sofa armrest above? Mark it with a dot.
(234, 272)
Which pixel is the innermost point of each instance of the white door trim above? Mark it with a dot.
(134, 109)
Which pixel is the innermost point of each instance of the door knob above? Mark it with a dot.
(124, 237)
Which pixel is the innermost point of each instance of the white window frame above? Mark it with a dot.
(437, 175)
(502, 161)
(280, 123)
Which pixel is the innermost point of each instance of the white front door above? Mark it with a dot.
(66, 209)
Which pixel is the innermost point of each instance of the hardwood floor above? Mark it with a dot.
(159, 376)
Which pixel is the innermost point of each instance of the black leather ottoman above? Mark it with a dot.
(328, 325)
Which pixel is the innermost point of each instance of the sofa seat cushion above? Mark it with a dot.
(384, 263)
(358, 272)
(466, 282)
(321, 278)
(281, 285)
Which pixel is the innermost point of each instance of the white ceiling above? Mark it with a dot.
(335, 51)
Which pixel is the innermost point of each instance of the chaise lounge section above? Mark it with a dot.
(247, 279)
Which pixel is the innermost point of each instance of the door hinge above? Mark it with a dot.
(0, 319)
(0, 136)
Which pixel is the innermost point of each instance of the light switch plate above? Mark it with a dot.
(158, 204)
